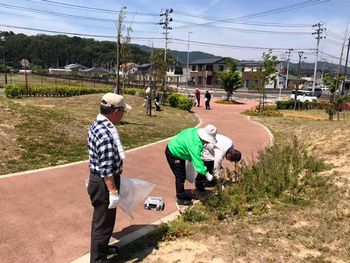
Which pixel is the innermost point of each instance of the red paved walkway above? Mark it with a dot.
(45, 215)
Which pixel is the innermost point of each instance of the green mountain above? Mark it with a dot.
(180, 56)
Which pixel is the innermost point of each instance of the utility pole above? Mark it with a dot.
(188, 59)
(346, 60)
(323, 63)
(318, 32)
(165, 25)
(300, 53)
(288, 59)
(283, 57)
(3, 38)
(149, 96)
(120, 28)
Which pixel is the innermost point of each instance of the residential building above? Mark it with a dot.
(205, 71)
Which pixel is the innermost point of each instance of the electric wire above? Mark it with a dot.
(72, 33)
(271, 11)
(152, 38)
(92, 9)
(14, 7)
(242, 30)
(255, 23)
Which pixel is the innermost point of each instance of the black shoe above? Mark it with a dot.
(184, 202)
(200, 189)
(111, 250)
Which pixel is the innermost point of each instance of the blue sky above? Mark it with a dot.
(255, 24)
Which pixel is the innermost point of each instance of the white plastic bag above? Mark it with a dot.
(190, 172)
(133, 192)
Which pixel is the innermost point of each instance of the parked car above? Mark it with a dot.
(190, 82)
(317, 91)
(303, 96)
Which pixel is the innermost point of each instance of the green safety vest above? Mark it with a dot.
(187, 145)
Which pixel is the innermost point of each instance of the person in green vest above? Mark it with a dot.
(188, 145)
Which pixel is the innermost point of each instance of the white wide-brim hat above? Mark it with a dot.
(208, 133)
(115, 101)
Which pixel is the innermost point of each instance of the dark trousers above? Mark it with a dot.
(198, 101)
(207, 104)
(201, 179)
(178, 168)
(103, 219)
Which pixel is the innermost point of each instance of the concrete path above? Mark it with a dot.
(46, 214)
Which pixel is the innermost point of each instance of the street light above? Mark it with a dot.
(188, 58)
(4, 50)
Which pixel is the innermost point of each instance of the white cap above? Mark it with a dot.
(208, 133)
(114, 100)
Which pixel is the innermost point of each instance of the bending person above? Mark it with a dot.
(188, 145)
(213, 155)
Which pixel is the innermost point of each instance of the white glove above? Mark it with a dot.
(209, 177)
(113, 200)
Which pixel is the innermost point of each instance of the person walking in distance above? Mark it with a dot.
(197, 95)
(106, 155)
(188, 145)
(207, 100)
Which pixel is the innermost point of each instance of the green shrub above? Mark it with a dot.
(18, 90)
(267, 110)
(281, 172)
(193, 215)
(289, 105)
(225, 101)
(177, 100)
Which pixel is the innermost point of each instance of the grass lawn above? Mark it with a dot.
(41, 132)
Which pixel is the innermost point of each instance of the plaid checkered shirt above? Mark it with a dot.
(104, 158)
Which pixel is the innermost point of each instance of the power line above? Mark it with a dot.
(72, 33)
(243, 30)
(238, 46)
(92, 9)
(273, 11)
(256, 23)
(176, 40)
(14, 7)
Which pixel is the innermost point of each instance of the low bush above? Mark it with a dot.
(289, 105)
(267, 110)
(225, 101)
(281, 172)
(177, 100)
(19, 90)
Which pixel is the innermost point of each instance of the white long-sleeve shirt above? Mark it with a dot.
(217, 152)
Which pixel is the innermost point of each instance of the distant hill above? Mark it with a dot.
(181, 56)
(59, 50)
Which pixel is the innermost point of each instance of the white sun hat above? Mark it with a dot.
(208, 133)
(114, 100)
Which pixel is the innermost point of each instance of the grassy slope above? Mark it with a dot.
(40, 132)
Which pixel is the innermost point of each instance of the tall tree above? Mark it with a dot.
(230, 79)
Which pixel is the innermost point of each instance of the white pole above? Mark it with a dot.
(188, 59)
(286, 84)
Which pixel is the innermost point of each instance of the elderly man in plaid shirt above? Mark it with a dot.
(106, 156)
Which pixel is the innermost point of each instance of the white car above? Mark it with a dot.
(303, 96)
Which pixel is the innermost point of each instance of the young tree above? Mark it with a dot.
(265, 75)
(230, 79)
(332, 84)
